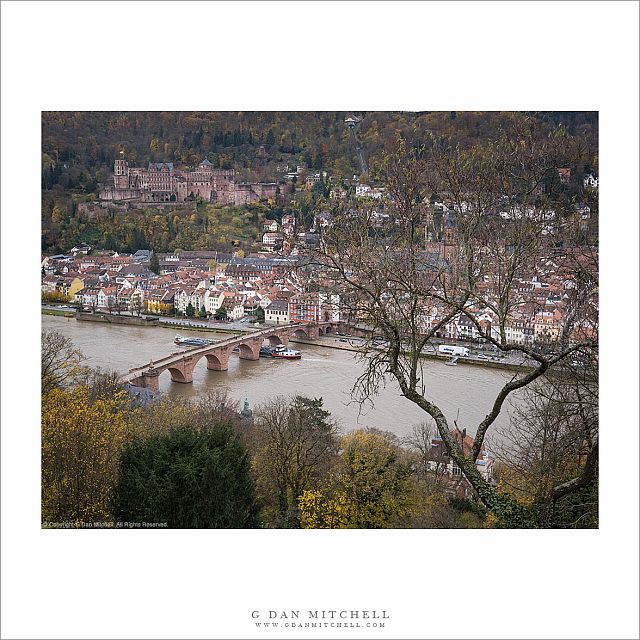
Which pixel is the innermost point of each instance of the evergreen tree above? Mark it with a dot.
(307, 159)
(188, 478)
(271, 138)
(222, 313)
(154, 263)
(190, 310)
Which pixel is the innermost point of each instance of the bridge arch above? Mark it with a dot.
(181, 365)
(275, 339)
(249, 351)
(217, 361)
(177, 375)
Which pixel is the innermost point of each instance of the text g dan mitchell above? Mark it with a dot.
(332, 614)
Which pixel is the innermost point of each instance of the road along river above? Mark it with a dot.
(322, 372)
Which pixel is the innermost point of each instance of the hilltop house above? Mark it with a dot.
(272, 240)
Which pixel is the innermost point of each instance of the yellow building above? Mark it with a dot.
(547, 327)
(75, 286)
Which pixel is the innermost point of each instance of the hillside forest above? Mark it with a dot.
(79, 148)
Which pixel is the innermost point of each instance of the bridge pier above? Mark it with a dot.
(218, 361)
(250, 349)
(148, 380)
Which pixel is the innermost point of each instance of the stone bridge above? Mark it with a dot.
(181, 364)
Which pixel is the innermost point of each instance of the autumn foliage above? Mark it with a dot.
(370, 489)
(81, 443)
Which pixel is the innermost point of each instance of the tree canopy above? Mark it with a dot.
(188, 478)
(369, 489)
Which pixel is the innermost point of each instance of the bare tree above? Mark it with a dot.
(430, 466)
(550, 451)
(505, 217)
(137, 303)
(118, 305)
(61, 362)
(294, 443)
(101, 383)
(217, 408)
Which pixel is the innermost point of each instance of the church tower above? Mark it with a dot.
(246, 415)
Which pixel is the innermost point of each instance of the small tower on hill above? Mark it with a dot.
(121, 174)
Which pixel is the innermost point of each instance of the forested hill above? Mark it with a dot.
(78, 148)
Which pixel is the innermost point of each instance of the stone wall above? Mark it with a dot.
(97, 209)
(115, 319)
(110, 193)
(245, 193)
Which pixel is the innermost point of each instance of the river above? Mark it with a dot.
(322, 372)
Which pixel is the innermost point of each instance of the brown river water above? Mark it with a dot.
(322, 372)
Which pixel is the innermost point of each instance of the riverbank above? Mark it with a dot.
(463, 393)
(167, 323)
(489, 364)
(55, 312)
(137, 321)
(144, 321)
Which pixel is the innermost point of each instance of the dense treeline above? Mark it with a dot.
(107, 459)
(197, 226)
(78, 150)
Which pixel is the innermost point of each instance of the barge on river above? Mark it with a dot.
(280, 351)
(192, 342)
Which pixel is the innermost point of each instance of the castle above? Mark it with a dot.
(161, 182)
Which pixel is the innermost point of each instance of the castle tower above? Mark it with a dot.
(121, 174)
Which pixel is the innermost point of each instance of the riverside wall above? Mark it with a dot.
(116, 319)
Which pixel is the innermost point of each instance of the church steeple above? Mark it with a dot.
(246, 412)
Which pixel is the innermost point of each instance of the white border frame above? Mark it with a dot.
(319, 56)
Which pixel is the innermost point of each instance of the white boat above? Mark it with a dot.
(191, 342)
(453, 362)
(286, 354)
